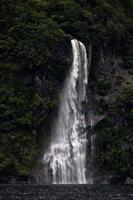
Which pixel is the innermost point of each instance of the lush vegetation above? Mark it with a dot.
(31, 64)
(34, 58)
(115, 139)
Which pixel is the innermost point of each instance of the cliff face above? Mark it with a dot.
(111, 103)
(35, 56)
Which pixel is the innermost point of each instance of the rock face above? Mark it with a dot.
(129, 180)
(13, 179)
(110, 89)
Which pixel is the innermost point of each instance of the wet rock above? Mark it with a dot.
(13, 179)
(129, 180)
(27, 80)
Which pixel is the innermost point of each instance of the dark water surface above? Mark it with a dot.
(66, 192)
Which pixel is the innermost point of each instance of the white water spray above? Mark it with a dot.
(65, 160)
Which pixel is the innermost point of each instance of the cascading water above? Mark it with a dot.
(65, 160)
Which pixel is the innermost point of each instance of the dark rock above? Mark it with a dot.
(13, 179)
(27, 80)
(129, 180)
(118, 179)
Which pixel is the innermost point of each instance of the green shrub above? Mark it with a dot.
(103, 87)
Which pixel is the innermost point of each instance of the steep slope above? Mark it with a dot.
(35, 55)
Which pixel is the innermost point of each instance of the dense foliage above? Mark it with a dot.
(34, 58)
(115, 139)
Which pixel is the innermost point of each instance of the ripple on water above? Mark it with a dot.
(66, 192)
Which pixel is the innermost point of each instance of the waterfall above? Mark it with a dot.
(65, 160)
